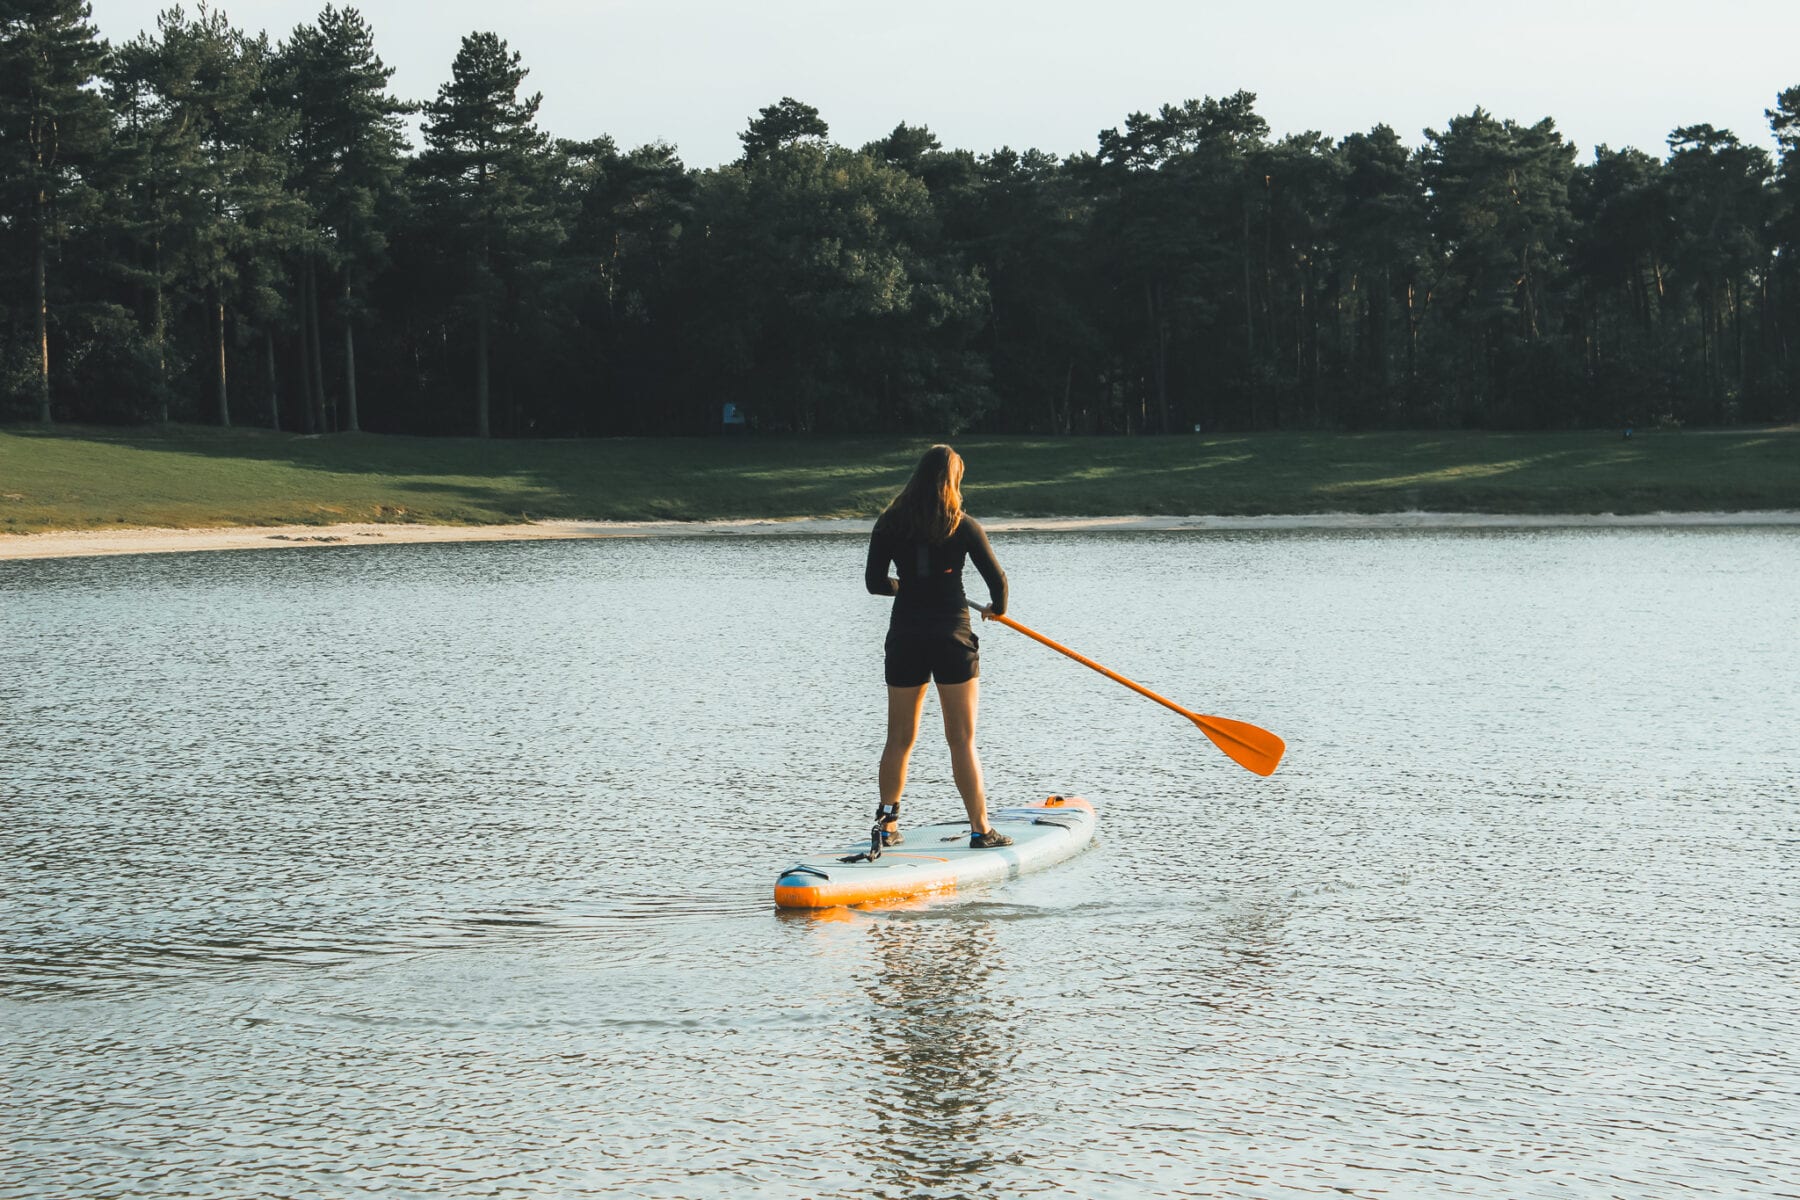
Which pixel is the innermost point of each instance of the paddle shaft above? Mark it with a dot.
(1085, 661)
(1253, 748)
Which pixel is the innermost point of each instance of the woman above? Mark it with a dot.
(926, 536)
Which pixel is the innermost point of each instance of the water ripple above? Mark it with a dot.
(445, 871)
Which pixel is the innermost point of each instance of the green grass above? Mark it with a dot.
(187, 476)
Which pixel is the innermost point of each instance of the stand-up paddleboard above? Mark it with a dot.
(937, 858)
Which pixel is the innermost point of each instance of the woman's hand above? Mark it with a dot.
(986, 610)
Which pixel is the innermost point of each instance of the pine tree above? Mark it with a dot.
(1178, 194)
(1381, 234)
(1784, 230)
(627, 215)
(346, 153)
(1499, 211)
(821, 295)
(787, 122)
(160, 200)
(52, 125)
(1720, 200)
(485, 182)
(205, 188)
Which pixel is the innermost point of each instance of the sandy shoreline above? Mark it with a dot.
(90, 542)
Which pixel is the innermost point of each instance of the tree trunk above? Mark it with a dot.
(1706, 371)
(349, 362)
(1530, 308)
(274, 393)
(161, 323)
(1378, 309)
(42, 308)
(1776, 309)
(1159, 365)
(1412, 348)
(1249, 318)
(481, 367)
(304, 359)
(1299, 335)
(1271, 327)
(219, 329)
(312, 338)
(1068, 389)
(1737, 334)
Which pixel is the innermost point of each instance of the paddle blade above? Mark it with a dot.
(1249, 746)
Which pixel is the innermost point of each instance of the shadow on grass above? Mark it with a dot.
(697, 478)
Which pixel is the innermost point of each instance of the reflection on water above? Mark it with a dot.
(942, 1046)
(1251, 938)
(446, 871)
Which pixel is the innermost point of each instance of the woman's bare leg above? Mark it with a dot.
(961, 702)
(904, 706)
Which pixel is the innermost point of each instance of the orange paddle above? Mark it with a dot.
(1249, 746)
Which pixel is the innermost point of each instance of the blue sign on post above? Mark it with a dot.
(733, 420)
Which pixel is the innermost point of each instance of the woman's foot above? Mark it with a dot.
(988, 841)
(892, 836)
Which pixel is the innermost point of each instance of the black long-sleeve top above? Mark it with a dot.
(929, 590)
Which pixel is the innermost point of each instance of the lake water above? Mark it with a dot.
(446, 871)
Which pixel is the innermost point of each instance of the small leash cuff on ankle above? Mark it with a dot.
(884, 812)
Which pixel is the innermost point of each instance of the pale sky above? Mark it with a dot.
(1052, 74)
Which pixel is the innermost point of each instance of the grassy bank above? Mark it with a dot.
(83, 478)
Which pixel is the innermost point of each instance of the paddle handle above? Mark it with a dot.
(1085, 661)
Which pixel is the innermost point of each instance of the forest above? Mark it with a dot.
(204, 225)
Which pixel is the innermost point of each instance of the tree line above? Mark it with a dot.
(200, 224)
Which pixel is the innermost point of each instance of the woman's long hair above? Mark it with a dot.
(929, 507)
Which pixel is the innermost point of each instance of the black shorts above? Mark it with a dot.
(916, 657)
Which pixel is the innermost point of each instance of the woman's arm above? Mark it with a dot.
(875, 576)
(982, 555)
